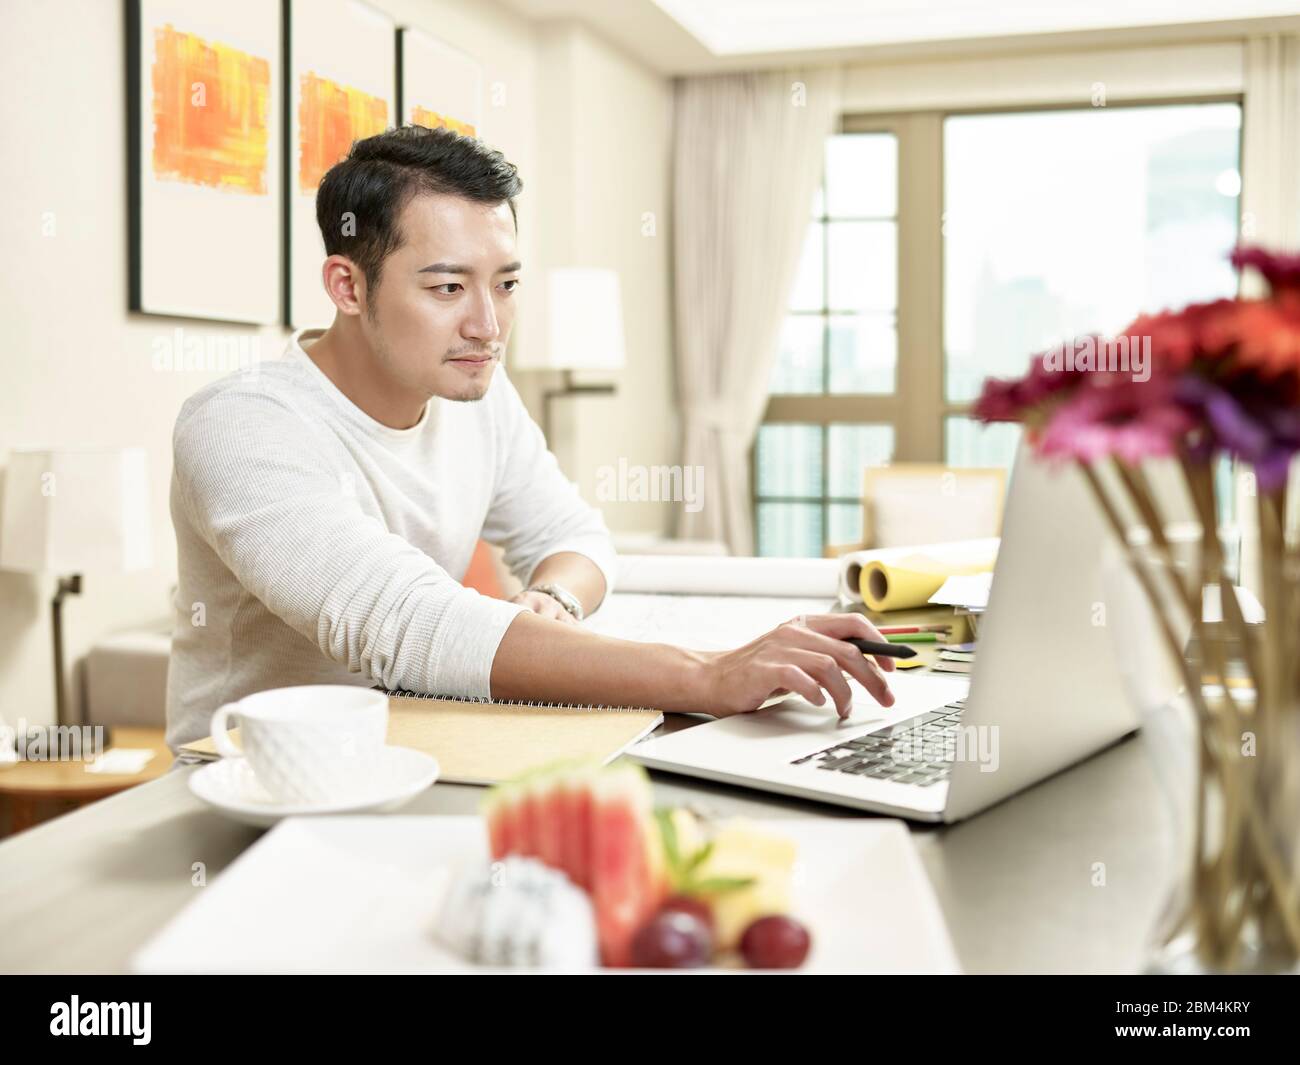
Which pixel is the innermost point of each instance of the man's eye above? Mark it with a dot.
(446, 289)
(510, 285)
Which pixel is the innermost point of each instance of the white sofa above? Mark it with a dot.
(125, 679)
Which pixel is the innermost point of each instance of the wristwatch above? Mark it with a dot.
(562, 596)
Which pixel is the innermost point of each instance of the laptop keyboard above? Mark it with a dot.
(917, 751)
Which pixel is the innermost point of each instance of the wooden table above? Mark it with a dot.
(36, 791)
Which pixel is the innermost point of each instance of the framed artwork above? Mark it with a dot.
(205, 159)
(341, 74)
(438, 85)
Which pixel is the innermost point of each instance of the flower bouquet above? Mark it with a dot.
(1212, 380)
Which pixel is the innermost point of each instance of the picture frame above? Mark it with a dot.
(437, 84)
(204, 159)
(340, 69)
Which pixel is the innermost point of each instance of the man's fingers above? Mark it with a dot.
(886, 696)
(860, 667)
(865, 669)
(791, 678)
(838, 626)
(826, 671)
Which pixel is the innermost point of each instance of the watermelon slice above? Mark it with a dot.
(548, 820)
(575, 808)
(597, 826)
(528, 828)
(628, 873)
(499, 813)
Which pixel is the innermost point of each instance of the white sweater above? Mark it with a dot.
(318, 546)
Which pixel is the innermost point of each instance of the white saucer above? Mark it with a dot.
(229, 786)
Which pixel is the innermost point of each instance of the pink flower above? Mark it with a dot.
(1130, 420)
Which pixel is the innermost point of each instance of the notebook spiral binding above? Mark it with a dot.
(517, 702)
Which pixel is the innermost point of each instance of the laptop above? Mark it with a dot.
(1044, 691)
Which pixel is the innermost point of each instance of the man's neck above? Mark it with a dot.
(345, 359)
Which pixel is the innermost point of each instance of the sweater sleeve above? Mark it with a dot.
(260, 492)
(536, 511)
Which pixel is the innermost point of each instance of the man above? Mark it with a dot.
(326, 506)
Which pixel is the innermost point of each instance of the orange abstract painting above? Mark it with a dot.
(422, 117)
(330, 117)
(210, 107)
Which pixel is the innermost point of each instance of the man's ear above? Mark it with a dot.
(345, 284)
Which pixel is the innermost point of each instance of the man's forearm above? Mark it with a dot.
(574, 572)
(546, 660)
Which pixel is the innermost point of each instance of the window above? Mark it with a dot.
(840, 338)
(1060, 223)
(947, 248)
(809, 487)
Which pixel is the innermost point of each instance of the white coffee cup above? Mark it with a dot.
(316, 743)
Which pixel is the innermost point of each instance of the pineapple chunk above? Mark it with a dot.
(742, 851)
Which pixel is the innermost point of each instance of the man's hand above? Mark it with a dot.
(570, 663)
(801, 656)
(545, 605)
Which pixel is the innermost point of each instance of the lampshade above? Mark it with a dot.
(76, 511)
(584, 322)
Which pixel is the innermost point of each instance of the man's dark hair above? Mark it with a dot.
(382, 173)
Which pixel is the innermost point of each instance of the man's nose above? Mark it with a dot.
(482, 322)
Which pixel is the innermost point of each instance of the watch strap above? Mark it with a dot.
(563, 596)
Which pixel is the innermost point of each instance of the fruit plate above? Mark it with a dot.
(363, 894)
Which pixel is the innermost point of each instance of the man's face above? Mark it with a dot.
(439, 322)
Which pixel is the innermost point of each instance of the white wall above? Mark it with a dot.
(604, 155)
(77, 370)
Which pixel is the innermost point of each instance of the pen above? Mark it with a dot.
(888, 650)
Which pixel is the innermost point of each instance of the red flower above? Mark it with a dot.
(1282, 272)
(1009, 400)
(1178, 338)
(1267, 337)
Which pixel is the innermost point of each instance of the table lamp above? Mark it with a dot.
(71, 511)
(584, 331)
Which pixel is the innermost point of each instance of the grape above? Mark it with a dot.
(696, 907)
(673, 939)
(776, 942)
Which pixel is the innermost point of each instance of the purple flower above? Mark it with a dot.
(1252, 425)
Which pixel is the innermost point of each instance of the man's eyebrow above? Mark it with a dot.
(445, 268)
(461, 268)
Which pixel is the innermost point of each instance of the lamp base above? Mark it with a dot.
(66, 586)
(569, 389)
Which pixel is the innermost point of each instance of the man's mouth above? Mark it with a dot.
(473, 359)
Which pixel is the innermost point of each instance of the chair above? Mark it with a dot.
(926, 503)
(486, 573)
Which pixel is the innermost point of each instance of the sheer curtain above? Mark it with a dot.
(1270, 211)
(747, 160)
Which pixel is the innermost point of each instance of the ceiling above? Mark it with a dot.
(697, 36)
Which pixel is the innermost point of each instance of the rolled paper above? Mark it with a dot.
(909, 582)
(956, 554)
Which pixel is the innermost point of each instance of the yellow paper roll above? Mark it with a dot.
(909, 582)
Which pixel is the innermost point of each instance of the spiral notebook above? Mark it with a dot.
(485, 742)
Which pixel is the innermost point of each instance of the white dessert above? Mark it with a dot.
(519, 912)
